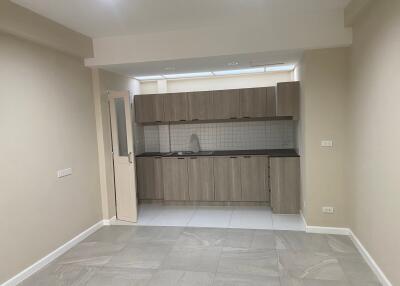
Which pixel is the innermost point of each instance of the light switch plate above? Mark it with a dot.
(64, 172)
(326, 143)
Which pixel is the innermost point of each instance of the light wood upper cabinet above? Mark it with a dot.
(201, 178)
(253, 172)
(285, 185)
(287, 99)
(253, 102)
(175, 177)
(227, 179)
(149, 178)
(175, 107)
(149, 108)
(226, 104)
(200, 105)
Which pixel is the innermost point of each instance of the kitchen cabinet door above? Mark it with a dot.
(149, 108)
(271, 101)
(200, 105)
(253, 172)
(287, 99)
(201, 178)
(175, 107)
(285, 185)
(253, 102)
(175, 178)
(149, 178)
(226, 104)
(227, 180)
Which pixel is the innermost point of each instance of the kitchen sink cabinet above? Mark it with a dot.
(226, 104)
(175, 178)
(175, 107)
(227, 179)
(285, 184)
(201, 178)
(253, 173)
(200, 105)
(150, 178)
(287, 99)
(149, 108)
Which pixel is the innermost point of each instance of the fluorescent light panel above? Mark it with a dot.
(149, 77)
(279, 68)
(240, 71)
(188, 75)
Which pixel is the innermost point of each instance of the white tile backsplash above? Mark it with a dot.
(222, 136)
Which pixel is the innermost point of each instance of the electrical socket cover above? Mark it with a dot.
(328, 210)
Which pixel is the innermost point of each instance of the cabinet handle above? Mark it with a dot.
(246, 117)
(246, 157)
(158, 121)
(182, 120)
(181, 158)
(195, 119)
(233, 118)
(233, 157)
(157, 157)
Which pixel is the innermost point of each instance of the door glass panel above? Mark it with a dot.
(121, 126)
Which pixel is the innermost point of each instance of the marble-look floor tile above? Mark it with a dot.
(90, 253)
(155, 234)
(290, 281)
(181, 278)
(111, 234)
(202, 237)
(211, 217)
(263, 262)
(107, 276)
(310, 265)
(287, 222)
(198, 259)
(357, 271)
(240, 238)
(264, 239)
(61, 275)
(143, 256)
(223, 279)
(341, 244)
(301, 241)
(251, 218)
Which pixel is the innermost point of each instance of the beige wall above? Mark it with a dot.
(47, 123)
(218, 82)
(23, 23)
(373, 181)
(324, 91)
(102, 82)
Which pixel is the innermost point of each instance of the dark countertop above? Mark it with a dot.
(269, 152)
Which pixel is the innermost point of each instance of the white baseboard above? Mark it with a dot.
(53, 255)
(110, 221)
(347, 231)
(371, 262)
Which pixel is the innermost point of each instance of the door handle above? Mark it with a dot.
(130, 157)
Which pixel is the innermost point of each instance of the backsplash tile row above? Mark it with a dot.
(221, 136)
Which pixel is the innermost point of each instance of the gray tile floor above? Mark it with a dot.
(156, 255)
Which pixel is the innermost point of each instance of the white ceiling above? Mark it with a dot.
(205, 64)
(105, 18)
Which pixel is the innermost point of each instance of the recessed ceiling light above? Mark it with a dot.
(149, 77)
(188, 75)
(234, 63)
(169, 68)
(240, 71)
(279, 68)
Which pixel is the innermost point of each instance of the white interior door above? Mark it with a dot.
(123, 155)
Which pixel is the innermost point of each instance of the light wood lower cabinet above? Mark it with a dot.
(175, 178)
(201, 178)
(227, 179)
(150, 178)
(285, 184)
(253, 173)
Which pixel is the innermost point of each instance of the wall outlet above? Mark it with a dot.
(64, 172)
(328, 210)
(326, 143)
